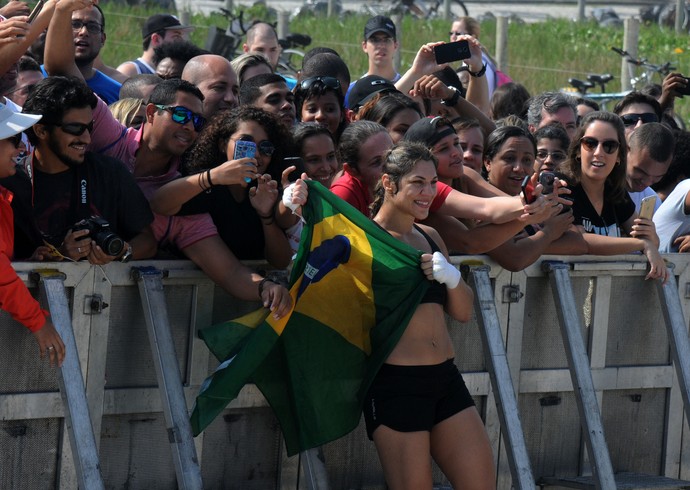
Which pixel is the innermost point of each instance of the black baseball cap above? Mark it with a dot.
(365, 88)
(379, 23)
(161, 22)
(429, 131)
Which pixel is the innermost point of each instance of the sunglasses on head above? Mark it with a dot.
(182, 115)
(591, 144)
(75, 128)
(330, 82)
(645, 117)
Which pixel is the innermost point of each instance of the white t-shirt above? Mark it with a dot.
(671, 220)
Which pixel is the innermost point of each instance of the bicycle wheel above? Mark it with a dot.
(457, 9)
(290, 62)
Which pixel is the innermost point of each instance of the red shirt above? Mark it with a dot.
(14, 296)
(351, 189)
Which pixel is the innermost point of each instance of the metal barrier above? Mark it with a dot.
(635, 383)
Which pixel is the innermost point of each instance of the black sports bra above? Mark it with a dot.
(437, 292)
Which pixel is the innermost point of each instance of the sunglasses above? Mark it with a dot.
(556, 156)
(75, 128)
(591, 144)
(182, 115)
(456, 33)
(15, 139)
(646, 117)
(330, 82)
(91, 27)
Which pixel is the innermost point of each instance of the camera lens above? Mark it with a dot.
(109, 242)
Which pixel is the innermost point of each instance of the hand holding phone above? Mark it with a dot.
(528, 189)
(647, 207)
(244, 149)
(546, 179)
(447, 52)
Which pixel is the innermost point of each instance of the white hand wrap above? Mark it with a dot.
(444, 272)
(287, 198)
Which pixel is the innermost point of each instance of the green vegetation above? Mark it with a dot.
(542, 56)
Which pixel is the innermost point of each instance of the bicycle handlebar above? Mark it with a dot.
(664, 69)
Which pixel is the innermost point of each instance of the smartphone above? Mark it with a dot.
(445, 53)
(647, 207)
(528, 189)
(686, 90)
(298, 163)
(37, 10)
(244, 149)
(546, 179)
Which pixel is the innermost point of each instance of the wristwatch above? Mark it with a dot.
(127, 256)
(452, 101)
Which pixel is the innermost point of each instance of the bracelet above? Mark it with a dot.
(452, 101)
(478, 74)
(208, 177)
(261, 285)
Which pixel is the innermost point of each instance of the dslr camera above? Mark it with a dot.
(101, 233)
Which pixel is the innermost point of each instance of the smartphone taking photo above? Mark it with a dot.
(447, 52)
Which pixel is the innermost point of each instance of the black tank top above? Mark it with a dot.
(437, 292)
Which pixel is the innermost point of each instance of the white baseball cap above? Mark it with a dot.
(12, 122)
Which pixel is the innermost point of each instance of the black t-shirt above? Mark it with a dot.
(609, 222)
(238, 223)
(111, 192)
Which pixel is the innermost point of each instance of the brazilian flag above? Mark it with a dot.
(354, 288)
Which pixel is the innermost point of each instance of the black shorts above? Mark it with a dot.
(415, 398)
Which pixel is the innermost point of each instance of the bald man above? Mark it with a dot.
(216, 79)
(262, 38)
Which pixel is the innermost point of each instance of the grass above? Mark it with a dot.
(541, 56)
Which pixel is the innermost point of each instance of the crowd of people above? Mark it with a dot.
(184, 153)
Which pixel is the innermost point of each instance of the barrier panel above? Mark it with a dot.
(635, 383)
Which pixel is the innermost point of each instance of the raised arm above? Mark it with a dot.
(13, 49)
(59, 51)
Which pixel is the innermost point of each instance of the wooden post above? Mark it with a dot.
(580, 10)
(397, 20)
(502, 42)
(631, 33)
(331, 8)
(283, 24)
(680, 15)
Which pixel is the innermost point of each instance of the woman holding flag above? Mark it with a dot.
(418, 405)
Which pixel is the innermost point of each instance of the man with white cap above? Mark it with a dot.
(157, 30)
(15, 298)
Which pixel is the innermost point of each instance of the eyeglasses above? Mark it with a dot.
(91, 27)
(75, 128)
(591, 144)
(556, 156)
(182, 115)
(330, 82)
(646, 117)
(456, 33)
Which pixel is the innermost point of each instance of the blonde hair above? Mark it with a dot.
(124, 110)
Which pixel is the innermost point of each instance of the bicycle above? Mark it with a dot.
(422, 9)
(650, 69)
(580, 88)
(227, 43)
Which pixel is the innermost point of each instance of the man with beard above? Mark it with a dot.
(152, 153)
(63, 184)
(269, 92)
(216, 79)
(88, 33)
